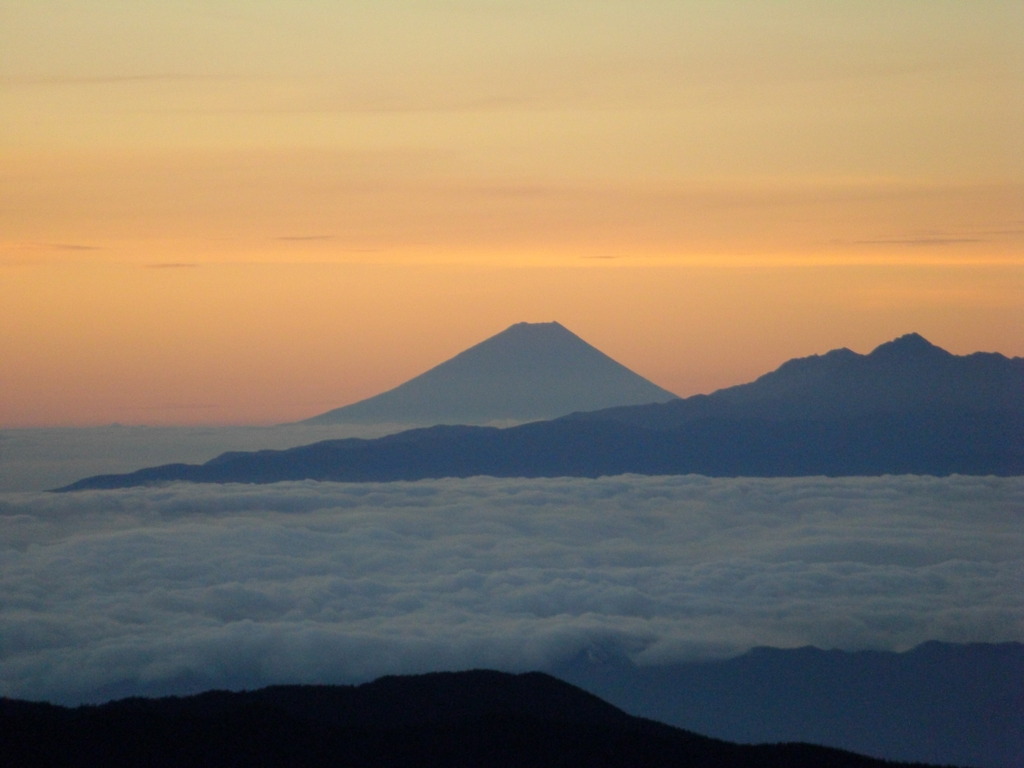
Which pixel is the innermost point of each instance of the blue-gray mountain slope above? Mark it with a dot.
(908, 375)
(959, 704)
(528, 371)
(906, 408)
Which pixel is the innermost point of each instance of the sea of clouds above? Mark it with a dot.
(188, 587)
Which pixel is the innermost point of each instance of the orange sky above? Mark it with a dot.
(252, 212)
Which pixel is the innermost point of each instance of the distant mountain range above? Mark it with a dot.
(908, 407)
(960, 704)
(528, 371)
(908, 375)
(478, 718)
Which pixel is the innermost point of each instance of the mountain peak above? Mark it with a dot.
(534, 332)
(908, 345)
(548, 324)
(528, 371)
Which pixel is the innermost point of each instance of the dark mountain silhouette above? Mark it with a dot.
(906, 376)
(906, 408)
(474, 719)
(938, 703)
(528, 371)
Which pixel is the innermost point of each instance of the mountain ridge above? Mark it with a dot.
(940, 702)
(907, 373)
(906, 408)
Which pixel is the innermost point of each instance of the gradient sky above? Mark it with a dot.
(252, 211)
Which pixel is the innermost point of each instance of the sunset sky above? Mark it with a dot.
(253, 211)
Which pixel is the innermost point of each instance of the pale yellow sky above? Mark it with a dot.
(255, 211)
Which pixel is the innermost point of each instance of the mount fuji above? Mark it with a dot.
(527, 372)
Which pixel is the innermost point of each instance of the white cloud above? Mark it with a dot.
(187, 587)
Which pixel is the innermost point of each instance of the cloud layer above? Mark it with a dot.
(184, 587)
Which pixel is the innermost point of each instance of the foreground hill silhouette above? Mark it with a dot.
(908, 407)
(528, 371)
(478, 718)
